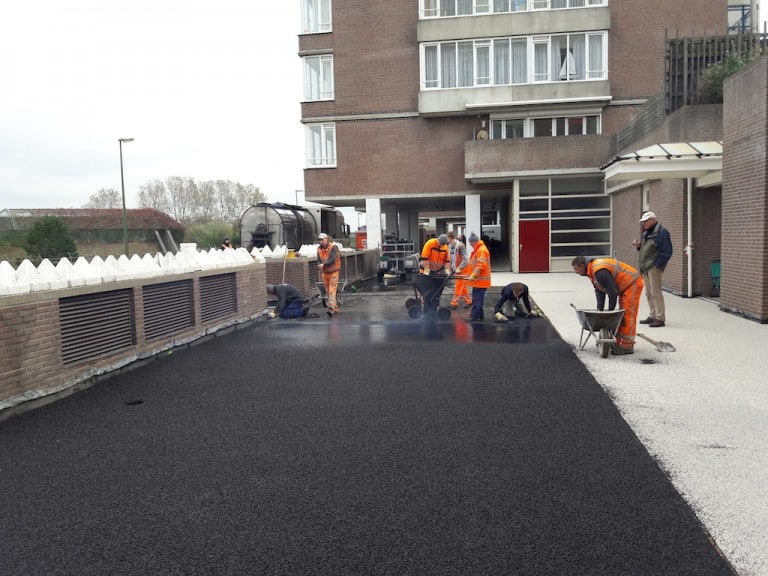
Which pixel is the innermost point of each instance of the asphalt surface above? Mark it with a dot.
(369, 443)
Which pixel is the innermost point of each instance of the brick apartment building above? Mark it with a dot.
(507, 112)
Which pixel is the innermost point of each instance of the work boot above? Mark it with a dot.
(646, 321)
(656, 323)
(621, 350)
(453, 306)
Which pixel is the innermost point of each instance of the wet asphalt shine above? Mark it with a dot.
(368, 443)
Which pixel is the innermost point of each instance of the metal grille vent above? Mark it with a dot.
(96, 325)
(218, 296)
(168, 308)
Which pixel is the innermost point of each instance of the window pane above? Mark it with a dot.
(575, 126)
(327, 77)
(465, 7)
(448, 64)
(515, 128)
(483, 64)
(447, 7)
(592, 125)
(542, 126)
(497, 127)
(501, 64)
(596, 56)
(519, 62)
(465, 75)
(537, 205)
(430, 8)
(534, 187)
(559, 127)
(431, 79)
(501, 5)
(578, 56)
(312, 78)
(541, 62)
(482, 6)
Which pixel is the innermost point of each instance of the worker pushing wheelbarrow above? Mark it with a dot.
(434, 273)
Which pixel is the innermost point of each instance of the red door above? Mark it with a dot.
(533, 250)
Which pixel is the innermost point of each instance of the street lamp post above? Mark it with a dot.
(122, 187)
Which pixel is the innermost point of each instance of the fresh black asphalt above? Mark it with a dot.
(366, 444)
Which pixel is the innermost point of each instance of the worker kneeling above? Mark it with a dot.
(290, 302)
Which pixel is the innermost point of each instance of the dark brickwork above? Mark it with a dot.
(745, 200)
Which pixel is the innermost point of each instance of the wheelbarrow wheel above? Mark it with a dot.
(414, 312)
(411, 302)
(443, 313)
(605, 342)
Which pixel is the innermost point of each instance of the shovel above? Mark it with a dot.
(660, 346)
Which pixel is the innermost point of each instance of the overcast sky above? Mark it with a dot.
(209, 89)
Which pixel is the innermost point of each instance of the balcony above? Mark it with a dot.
(488, 161)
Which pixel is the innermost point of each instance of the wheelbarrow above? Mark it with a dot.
(599, 325)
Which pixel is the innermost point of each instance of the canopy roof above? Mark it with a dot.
(669, 160)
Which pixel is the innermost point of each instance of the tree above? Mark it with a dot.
(153, 195)
(105, 198)
(207, 201)
(710, 85)
(49, 237)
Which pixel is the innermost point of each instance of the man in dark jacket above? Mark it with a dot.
(290, 302)
(516, 294)
(655, 249)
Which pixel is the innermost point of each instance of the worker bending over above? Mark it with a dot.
(434, 266)
(290, 302)
(619, 281)
(516, 294)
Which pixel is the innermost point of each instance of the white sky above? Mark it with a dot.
(208, 88)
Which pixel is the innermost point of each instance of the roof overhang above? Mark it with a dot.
(668, 161)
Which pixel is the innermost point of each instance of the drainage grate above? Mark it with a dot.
(96, 325)
(168, 308)
(218, 296)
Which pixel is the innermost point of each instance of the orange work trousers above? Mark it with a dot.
(461, 291)
(629, 300)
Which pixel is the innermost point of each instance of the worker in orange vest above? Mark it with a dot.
(620, 282)
(460, 267)
(329, 264)
(434, 265)
(480, 278)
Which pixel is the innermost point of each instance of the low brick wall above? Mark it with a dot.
(58, 341)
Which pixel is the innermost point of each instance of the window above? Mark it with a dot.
(503, 129)
(316, 16)
(450, 8)
(318, 77)
(539, 127)
(321, 145)
(506, 61)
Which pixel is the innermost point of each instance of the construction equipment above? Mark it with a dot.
(601, 326)
(660, 345)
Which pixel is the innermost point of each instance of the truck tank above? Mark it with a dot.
(277, 224)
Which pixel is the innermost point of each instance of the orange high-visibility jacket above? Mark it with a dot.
(623, 274)
(329, 257)
(480, 261)
(437, 256)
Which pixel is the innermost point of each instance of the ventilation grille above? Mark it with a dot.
(96, 325)
(168, 309)
(218, 297)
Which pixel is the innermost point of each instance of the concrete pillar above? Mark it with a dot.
(474, 215)
(373, 222)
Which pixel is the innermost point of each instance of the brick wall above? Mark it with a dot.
(31, 366)
(744, 198)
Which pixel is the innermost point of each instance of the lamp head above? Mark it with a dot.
(125, 139)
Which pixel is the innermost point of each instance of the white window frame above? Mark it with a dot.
(323, 69)
(316, 16)
(321, 145)
(449, 64)
(452, 8)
